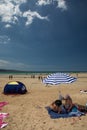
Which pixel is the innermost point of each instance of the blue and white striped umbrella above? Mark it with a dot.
(58, 78)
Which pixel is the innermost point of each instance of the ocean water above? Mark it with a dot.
(35, 72)
(24, 72)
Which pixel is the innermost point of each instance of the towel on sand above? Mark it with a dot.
(3, 104)
(2, 116)
(73, 113)
(3, 124)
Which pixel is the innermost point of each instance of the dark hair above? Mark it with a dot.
(58, 103)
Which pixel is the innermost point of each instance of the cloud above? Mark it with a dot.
(10, 11)
(30, 15)
(12, 65)
(3, 63)
(4, 39)
(43, 2)
(60, 3)
(7, 26)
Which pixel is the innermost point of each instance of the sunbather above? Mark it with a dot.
(82, 108)
(56, 106)
(83, 91)
(68, 104)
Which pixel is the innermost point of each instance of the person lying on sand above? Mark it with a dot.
(83, 91)
(81, 108)
(56, 106)
(70, 106)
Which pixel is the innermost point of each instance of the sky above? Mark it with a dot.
(43, 35)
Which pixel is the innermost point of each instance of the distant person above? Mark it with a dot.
(39, 77)
(10, 76)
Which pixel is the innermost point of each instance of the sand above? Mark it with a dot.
(27, 112)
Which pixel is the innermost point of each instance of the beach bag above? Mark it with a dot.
(15, 88)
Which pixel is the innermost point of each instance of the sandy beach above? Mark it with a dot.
(27, 112)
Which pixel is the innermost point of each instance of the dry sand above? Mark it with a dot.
(27, 112)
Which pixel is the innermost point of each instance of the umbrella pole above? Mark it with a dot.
(60, 96)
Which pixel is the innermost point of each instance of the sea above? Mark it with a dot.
(10, 72)
(38, 74)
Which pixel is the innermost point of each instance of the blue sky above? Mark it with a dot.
(43, 35)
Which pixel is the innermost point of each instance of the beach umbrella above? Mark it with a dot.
(58, 78)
